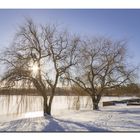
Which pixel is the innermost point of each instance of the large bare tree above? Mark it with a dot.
(102, 65)
(40, 54)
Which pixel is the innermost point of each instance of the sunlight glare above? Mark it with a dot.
(34, 68)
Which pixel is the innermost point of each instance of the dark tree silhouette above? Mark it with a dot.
(102, 65)
(40, 55)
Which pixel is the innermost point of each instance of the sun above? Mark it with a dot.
(34, 68)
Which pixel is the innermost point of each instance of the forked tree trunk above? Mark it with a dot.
(47, 107)
(95, 102)
(95, 105)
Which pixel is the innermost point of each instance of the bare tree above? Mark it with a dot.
(102, 66)
(40, 55)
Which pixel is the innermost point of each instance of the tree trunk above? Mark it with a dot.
(95, 102)
(47, 108)
(50, 104)
(95, 105)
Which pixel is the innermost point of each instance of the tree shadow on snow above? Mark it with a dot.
(50, 125)
(53, 126)
(70, 126)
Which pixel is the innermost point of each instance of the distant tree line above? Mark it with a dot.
(126, 90)
(132, 89)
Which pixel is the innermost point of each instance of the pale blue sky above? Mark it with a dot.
(117, 24)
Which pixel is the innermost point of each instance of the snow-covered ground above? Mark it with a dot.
(111, 118)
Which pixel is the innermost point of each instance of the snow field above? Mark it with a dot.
(67, 118)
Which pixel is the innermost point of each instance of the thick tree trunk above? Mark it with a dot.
(95, 105)
(95, 102)
(47, 108)
(50, 104)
